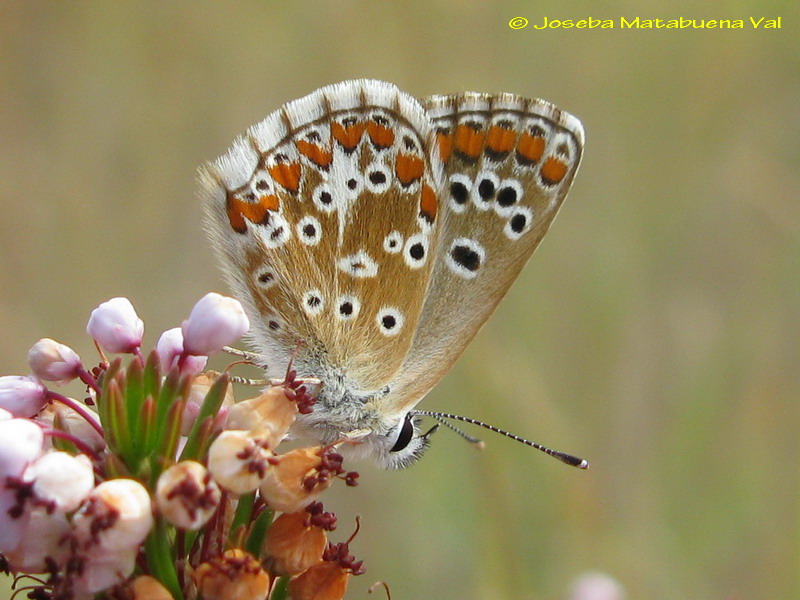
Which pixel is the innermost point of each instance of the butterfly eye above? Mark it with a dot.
(406, 433)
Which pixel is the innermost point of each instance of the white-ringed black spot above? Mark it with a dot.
(274, 325)
(415, 251)
(323, 199)
(519, 223)
(378, 178)
(460, 186)
(509, 195)
(266, 279)
(347, 307)
(393, 242)
(309, 230)
(465, 257)
(313, 302)
(484, 189)
(262, 185)
(389, 320)
(352, 184)
(459, 192)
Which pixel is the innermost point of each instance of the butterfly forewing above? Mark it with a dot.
(509, 163)
(326, 217)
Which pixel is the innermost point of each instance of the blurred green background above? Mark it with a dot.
(655, 332)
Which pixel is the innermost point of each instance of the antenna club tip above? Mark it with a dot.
(479, 445)
(584, 464)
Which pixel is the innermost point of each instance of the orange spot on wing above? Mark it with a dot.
(445, 142)
(316, 154)
(500, 140)
(269, 202)
(553, 171)
(287, 175)
(381, 136)
(469, 141)
(255, 212)
(530, 148)
(409, 168)
(428, 203)
(348, 136)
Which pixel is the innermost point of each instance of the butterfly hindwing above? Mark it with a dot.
(509, 163)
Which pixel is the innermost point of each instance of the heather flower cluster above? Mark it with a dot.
(158, 485)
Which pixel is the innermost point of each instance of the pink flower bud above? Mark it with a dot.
(22, 396)
(51, 361)
(116, 326)
(170, 349)
(215, 321)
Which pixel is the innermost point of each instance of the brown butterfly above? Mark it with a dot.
(370, 235)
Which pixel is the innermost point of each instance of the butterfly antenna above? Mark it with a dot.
(472, 440)
(568, 459)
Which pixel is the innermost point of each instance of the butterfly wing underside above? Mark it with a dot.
(509, 163)
(325, 216)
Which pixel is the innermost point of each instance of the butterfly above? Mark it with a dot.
(369, 236)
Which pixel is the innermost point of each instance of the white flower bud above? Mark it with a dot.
(20, 443)
(186, 495)
(116, 326)
(46, 537)
(215, 321)
(170, 348)
(104, 569)
(237, 461)
(21, 396)
(52, 361)
(61, 479)
(117, 515)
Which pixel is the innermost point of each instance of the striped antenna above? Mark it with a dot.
(569, 459)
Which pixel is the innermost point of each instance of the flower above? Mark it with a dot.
(52, 361)
(235, 574)
(270, 414)
(295, 541)
(327, 580)
(215, 321)
(61, 480)
(116, 326)
(116, 516)
(126, 432)
(22, 396)
(186, 495)
(238, 461)
(295, 479)
(170, 350)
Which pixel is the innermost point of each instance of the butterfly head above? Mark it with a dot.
(364, 428)
(401, 446)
